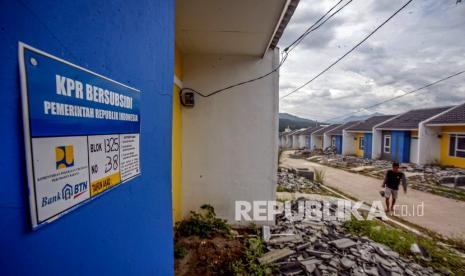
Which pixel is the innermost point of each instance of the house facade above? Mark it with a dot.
(317, 139)
(335, 136)
(186, 152)
(308, 136)
(398, 140)
(443, 138)
(244, 118)
(358, 139)
(298, 140)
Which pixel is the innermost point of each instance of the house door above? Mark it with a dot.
(401, 146)
(368, 138)
(338, 141)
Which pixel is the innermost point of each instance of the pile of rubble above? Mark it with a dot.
(420, 174)
(297, 180)
(305, 247)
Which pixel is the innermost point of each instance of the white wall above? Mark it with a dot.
(429, 145)
(295, 141)
(289, 142)
(302, 141)
(414, 150)
(316, 142)
(230, 140)
(348, 143)
(377, 141)
(326, 141)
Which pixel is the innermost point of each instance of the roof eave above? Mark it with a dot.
(446, 124)
(286, 15)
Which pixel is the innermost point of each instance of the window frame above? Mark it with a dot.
(387, 149)
(361, 143)
(456, 137)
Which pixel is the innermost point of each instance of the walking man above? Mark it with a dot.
(391, 184)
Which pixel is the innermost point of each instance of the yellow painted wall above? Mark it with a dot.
(447, 160)
(176, 146)
(358, 152)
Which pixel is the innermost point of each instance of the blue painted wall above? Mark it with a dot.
(400, 146)
(368, 140)
(338, 140)
(127, 231)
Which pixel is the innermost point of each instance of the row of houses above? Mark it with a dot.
(420, 136)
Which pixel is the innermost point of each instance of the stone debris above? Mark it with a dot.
(275, 255)
(427, 178)
(285, 239)
(343, 243)
(323, 248)
(296, 180)
(362, 168)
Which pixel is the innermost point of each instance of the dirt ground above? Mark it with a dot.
(207, 256)
(442, 215)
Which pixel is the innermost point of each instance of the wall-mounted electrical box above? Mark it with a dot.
(187, 98)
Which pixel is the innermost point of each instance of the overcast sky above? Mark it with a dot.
(423, 43)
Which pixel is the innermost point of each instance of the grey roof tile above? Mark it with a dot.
(325, 129)
(454, 116)
(338, 130)
(310, 130)
(369, 123)
(411, 119)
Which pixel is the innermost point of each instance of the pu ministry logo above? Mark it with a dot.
(64, 156)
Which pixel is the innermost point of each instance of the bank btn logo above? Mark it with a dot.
(64, 156)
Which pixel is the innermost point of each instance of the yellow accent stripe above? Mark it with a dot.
(105, 183)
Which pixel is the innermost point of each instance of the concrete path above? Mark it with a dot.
(441, 215)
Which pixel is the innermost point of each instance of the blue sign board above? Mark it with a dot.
(82, 133)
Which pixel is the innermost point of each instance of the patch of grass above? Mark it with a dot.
(442, 259)
(179, 251)
(248, 264)
(280, 189)
(204, 225)
(320, 176)
(456, 243)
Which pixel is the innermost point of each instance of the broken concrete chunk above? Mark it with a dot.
(290, 269)
(371, 271)
(275, 255)
(447, 180)
(285, 239)
(382, 261)
(310, 264)
(460, 181)
(306, 174)
(343, 243)
(303, 246)
(347, 263)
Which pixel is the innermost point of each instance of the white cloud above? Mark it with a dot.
(423, 43)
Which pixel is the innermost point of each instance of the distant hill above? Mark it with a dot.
(359, 118)
(294, 122)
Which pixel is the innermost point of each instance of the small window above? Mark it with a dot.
(387, 144)
(361, 143)
(333, 141)
(457, 145)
